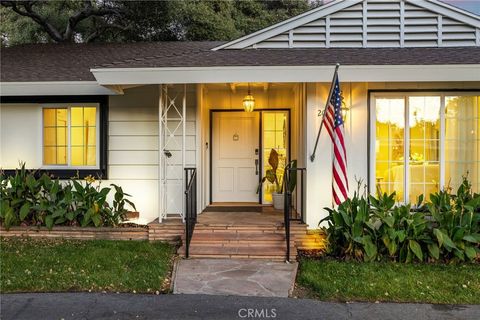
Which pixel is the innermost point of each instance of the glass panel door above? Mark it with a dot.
(275, 137)
(424, 159)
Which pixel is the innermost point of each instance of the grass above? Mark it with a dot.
(395, 282)
(28, 265)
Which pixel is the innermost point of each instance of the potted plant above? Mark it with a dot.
(272, 177)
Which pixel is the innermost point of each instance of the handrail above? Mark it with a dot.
(287, 209)
(190, 206)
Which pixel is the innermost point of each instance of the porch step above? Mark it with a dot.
(234, 207)
(170, 230)
(239, 241)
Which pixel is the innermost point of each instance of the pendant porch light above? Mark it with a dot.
(248, 101)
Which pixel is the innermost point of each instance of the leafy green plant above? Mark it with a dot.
(350, 231)
(43, 201)
(457, 222)
(119, 206)
(446, 228)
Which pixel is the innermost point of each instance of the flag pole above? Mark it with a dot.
(312, 157)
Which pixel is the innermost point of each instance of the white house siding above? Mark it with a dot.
(20, 135)
(319, 193)
(133, 147)
(133, 155)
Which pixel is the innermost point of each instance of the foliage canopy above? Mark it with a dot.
(125, 21)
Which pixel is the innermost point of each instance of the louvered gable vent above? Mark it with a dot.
(374, 23)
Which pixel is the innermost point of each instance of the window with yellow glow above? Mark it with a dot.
(425, 142)
(83, 136)
(275, 136)
(55, 139)
(70, 136)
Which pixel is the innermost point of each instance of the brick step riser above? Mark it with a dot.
(236, 229)
(269, 258)
(279, 254)
(242, 243)
(252, 250)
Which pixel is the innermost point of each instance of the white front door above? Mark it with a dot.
(235, 149)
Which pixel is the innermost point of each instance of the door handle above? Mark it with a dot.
(256, 167)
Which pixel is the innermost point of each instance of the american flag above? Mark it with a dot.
(333, 122)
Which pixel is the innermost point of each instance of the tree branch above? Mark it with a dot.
(86, 12)
(28, 12)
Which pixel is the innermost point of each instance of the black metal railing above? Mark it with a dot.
(294, 208)
(190, 206)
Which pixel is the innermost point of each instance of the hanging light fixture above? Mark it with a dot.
(249, 101)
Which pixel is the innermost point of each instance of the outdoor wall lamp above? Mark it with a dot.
(344, 110)
(248, 101)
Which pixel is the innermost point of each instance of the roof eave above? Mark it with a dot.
(323, 73)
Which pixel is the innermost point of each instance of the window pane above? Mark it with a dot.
(61, 155)
(77, 156)
(49, 137)
(424, 121)
(50, 155)
(91, 156)
(76, 117)
(61, 117)
(90, 138)
(89, 115)
(462, 140)
(389, 145)
(62, 136)
(77, 136)
(49, 117)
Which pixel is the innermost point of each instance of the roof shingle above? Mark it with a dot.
(72, 62)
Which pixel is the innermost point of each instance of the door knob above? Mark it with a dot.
(256, 167)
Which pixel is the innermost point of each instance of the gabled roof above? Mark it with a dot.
(372, 23)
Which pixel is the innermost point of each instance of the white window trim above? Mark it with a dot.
(68, 106)
(404, 95)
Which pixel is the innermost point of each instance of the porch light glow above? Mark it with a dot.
(248, 101)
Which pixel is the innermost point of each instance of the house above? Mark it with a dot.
(137, 114)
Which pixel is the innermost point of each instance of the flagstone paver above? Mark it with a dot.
(234, 277)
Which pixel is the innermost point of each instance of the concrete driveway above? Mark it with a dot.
(37, 306)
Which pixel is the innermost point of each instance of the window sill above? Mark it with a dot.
(66, 173)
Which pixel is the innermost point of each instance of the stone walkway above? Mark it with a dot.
(234, 277)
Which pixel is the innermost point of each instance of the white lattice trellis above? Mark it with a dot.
(172, 127)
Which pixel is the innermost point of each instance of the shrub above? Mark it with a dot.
(374, 228)
(457, 222)
(26, 200)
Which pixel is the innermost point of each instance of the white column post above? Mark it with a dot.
(160, 154)
(184, 131)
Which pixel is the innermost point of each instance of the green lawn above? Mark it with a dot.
(395, 282)
(71, 265)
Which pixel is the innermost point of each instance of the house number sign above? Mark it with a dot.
(236, 137)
